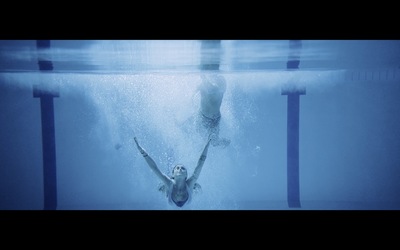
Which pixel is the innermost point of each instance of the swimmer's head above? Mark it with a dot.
(179, 171)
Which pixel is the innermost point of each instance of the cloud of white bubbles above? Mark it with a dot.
(158, 110)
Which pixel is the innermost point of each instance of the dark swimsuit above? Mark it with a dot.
(180, 203)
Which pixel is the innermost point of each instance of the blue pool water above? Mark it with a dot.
(111, 91)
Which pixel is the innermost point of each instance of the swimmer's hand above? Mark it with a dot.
(208, 143)
(141, 150)
(212, 137)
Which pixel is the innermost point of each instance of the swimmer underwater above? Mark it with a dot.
(178, 187)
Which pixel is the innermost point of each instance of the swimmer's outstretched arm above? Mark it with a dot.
(192, 180)
(164, 178)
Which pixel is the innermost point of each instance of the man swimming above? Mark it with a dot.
(178, 187)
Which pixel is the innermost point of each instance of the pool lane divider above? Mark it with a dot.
(293, 116)
(46, 95)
